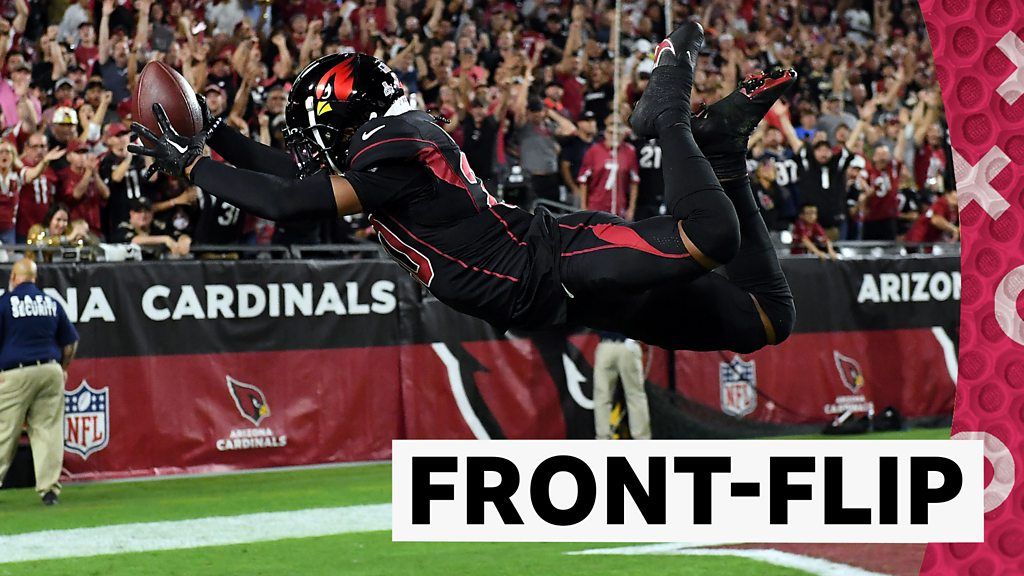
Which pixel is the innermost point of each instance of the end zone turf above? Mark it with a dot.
(206, 500)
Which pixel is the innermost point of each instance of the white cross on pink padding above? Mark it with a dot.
(972, 182)
(1012, 87)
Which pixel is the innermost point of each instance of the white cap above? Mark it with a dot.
(643, 46)
(65, 115)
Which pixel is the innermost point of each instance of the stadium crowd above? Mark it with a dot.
(858, 151)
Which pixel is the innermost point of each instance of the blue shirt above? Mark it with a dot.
(33, 327)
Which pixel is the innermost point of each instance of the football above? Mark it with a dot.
(161, 84)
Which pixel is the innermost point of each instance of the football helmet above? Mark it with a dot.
(332, 97)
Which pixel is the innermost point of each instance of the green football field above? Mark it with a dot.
(258, 510)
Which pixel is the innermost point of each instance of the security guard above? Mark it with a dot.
(620, 360)
(37, 343)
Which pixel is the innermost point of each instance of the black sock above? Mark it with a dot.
(694, 195)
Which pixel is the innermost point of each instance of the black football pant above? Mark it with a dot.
(638, 278)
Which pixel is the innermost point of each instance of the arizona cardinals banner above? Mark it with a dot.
(203, 366)
(870, 334)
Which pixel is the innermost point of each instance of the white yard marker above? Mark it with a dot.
(817, 566)
(196, 533)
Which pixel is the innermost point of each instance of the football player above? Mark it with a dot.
(358, 146)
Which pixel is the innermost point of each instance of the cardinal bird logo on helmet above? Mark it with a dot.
(335, 84)
(849, 372)
(249, 400)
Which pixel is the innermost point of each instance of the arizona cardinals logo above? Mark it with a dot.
(849, 372)
(335, 84)
(249, 400)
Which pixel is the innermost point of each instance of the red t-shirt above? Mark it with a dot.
(603, 183)
(10, 192)
(927, 161)
(803, 230)
(88, 206)
(86, 56)
(884, 203)
(924, 231)
(572, 95)
(36, 197)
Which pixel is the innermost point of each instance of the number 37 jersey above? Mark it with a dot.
(435, 218)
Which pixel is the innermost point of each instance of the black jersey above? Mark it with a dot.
(219, 222)
(435, 218)
(651, 192)
(131, 187)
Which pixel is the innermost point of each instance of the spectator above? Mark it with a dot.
(609, 179)
(931, 157)
(82, 188)
(216, 100)
(63, 130)
(219, 222)
(18, 105)
(833, 116)
(879, 204)
(10, 191)
(939, 223)
(809, 237)
(55, 231)
(651, 189)
(808, 126)
(480, 141)
(75, 17)
(536, 133)
(142, 230)
(768, 193)
(504, 57)
(822, 178)
(770, 142)
(39, 343)
(122, 173)
(573, 149)
(86, 51)
(40, 184)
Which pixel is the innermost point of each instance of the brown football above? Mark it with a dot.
(161, 84)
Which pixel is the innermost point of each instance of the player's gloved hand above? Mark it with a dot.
(209, 122)
(171, 152)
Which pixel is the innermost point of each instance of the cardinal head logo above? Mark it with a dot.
(849, 372)
(249, 400)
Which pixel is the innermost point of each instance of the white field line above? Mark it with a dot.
(196, 533)
(816, 566)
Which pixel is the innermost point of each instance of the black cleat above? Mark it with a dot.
(666, 101)
(50, 498)
(726, 125)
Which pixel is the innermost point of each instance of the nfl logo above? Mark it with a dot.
(86, 420)
(738, 381)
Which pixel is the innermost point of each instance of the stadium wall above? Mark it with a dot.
(208, 366)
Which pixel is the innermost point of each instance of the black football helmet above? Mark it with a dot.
(332, 97)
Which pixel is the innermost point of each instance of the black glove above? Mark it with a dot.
(209, 122)
(171, 152)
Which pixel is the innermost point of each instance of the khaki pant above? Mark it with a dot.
(38, 393)
(620, 362)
